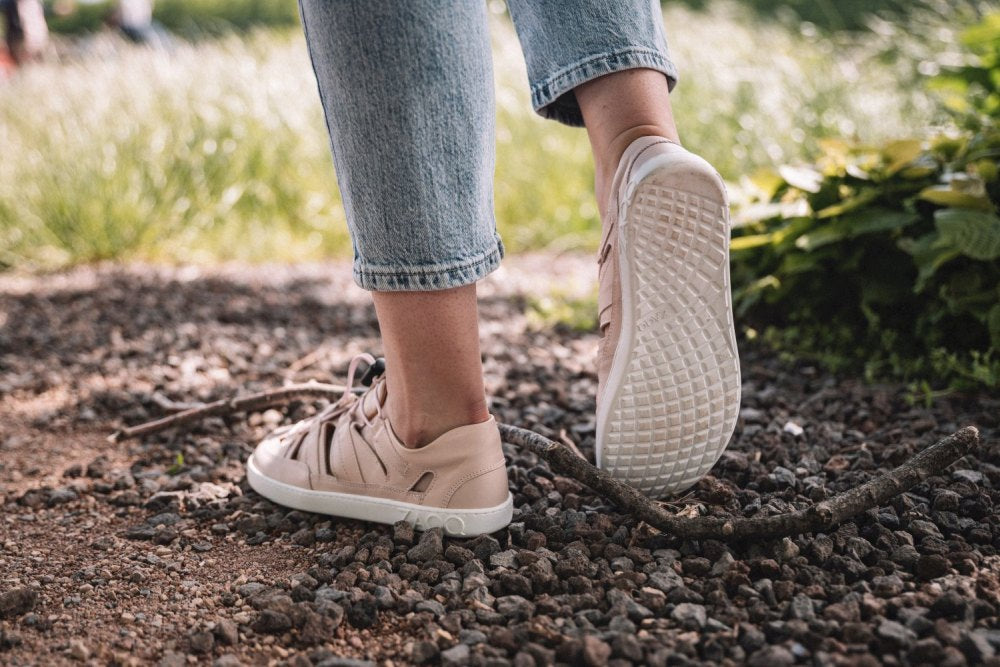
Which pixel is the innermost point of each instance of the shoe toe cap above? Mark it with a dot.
(271, 460)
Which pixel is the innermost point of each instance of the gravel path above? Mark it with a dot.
(156, 551)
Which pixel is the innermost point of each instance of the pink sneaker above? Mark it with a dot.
(668, 370)
(346, 461)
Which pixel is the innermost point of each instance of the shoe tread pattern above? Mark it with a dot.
(677, 406)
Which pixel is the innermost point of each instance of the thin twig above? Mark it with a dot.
(819, 517)
(253, 402)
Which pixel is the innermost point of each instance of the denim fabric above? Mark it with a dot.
(407, 90)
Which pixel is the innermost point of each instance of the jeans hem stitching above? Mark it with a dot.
(547, 97)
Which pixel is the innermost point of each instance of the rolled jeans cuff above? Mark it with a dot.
(554, 97)
(427, 277)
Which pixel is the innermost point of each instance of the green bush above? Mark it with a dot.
(888, 259)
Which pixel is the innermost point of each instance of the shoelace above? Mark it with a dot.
(348, 400)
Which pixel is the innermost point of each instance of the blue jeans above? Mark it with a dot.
(407, 89)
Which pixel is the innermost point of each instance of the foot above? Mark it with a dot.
(347, 461)
(668, 370)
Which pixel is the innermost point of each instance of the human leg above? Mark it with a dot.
(431, 343)
(668, 372)
(408, 94)
(619, 108)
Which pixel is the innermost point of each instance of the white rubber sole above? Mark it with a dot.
(456, 522)
(672, 396)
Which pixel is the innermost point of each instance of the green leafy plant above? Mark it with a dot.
(177, 466)
(887, 258)
(558, 308)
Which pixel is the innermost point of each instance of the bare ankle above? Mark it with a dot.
(607, 162)
(419, 423)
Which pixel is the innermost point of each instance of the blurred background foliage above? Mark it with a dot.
(859, 143)
(887, 258)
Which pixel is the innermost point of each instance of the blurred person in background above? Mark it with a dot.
(27, 33)
(135, 19)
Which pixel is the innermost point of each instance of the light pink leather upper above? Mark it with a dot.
(351, 448)
(609, 290)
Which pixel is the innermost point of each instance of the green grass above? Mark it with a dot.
(191, 18)
(218, 152)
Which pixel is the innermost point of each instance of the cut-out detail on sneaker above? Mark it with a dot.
(423, 483)
(326, 441)
(359, 431)
(296, 445)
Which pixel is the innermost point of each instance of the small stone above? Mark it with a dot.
(486, 546)
(472, 637)
(457, 555)
(976, 647)
(792, 428)
(621, 624)
(201, 642)
(17, 601)
(79, 651)
(423, 652)
(173, 659)
(786, 549)
(103, 543)
(896, 633)
(970, 476)
(226, 632)
(782, 477)
(61, 495)
(515, 584)
(97, 468)
(905, 555)
(430, 547)
(433, 606)
(887, 587)
(932, 566)
(595, 651)
(952, 605)
(515, 607)
(665, 581)
(163, 519)
(772, 656)
(457, 655)
(801, 608)
(251, 525)
(249, 590)
(8, 640)
(363, 614)
(228, 660)
(504, 559)
(402, 533)
(636, 611)
(920, 529)
(272, 622)
(304, 537)
(691, 616)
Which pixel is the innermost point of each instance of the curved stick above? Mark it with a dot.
(819, 517)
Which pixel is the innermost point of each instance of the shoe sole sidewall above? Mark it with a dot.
(454, 522)
(681, 177)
